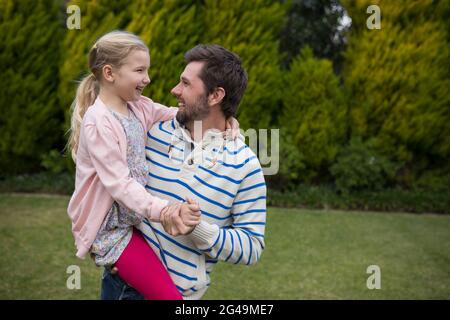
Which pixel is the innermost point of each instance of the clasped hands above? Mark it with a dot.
(180, 218)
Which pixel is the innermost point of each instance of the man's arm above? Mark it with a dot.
(243, 241)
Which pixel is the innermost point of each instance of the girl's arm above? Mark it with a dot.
(113, 172)
(154, 112)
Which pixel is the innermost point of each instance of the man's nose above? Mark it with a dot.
(176, 91)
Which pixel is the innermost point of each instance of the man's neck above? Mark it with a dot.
(212, 121)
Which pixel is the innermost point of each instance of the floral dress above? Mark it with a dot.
(117, 228)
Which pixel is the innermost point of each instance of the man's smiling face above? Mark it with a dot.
(191, 94)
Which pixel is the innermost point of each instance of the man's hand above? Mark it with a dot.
(190, 213)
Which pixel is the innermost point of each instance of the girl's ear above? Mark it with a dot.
(107, 73)
(217, 96)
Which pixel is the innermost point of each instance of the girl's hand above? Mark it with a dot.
(232, 125)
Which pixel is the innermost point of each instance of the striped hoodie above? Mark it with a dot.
(226, 178)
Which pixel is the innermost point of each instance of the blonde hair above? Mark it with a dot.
(112, 48)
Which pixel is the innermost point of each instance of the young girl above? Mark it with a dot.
(109, 123)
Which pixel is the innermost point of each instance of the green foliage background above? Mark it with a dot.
(388, 100)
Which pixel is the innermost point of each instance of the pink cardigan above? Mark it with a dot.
(102, 173)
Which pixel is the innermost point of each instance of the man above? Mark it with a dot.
(188, 160)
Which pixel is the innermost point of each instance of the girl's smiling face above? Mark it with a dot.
(132, 77)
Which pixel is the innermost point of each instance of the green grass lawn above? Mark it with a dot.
(309, 255)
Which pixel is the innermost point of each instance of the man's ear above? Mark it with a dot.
(217, 96)
(107, 73)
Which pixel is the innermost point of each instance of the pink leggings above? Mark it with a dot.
(140, 267)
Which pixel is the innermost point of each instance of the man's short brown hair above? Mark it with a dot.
(222, 68)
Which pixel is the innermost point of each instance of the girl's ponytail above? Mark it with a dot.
(86, 94)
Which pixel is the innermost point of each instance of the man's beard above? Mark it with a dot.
(196, 111)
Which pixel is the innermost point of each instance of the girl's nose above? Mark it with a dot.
(147, 80)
